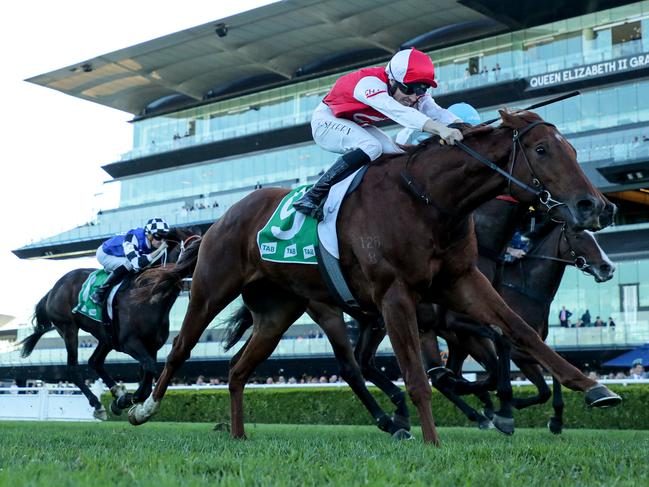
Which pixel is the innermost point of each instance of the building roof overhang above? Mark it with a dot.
(281, 42)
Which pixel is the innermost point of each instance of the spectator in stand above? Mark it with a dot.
(637, 371)
(585, 319)
(270, 381)
(611, 323)
(323, 379)
(200, 381)
(599, 322)
(333, 379)
(564, 316)
(620, 375)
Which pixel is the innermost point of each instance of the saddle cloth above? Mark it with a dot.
(291, 237)
(86, 307)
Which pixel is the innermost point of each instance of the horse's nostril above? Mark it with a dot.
(605, 268)
(585, 205)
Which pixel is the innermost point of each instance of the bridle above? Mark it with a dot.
(537, 188)
(185, 243)
(579, 261)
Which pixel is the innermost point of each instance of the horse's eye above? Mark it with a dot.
(540, 150)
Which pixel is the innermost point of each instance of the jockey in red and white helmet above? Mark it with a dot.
(343, 122)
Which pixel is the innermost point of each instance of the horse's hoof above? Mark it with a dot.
(141, 413)
(124, 401)
(600, 396)
(100, 414)
(135, 417)
(402, 434)
(488, 413)
(221, 427)
(504, 425)
(115, 409)
(118, 390)
(485, 423)
(555, 426)
(402, 422)
(442, 377)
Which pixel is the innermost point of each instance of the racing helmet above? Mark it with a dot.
(411, 71)
(156, 227)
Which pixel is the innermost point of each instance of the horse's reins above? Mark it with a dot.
(579, 262)
(544, 196)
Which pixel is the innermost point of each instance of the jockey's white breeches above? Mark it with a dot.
(112, 262)
(341, 135)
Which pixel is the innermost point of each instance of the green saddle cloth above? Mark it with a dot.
(86, 307)
(289, 236)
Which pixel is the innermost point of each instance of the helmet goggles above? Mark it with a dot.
(414, 88)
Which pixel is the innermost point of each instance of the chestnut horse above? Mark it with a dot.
(426, 253)
(140, 329)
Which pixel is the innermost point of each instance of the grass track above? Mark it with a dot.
(179, 454)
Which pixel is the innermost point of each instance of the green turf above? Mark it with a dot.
(179, 454)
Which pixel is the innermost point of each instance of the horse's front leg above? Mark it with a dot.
(398, 310)
(472, 294)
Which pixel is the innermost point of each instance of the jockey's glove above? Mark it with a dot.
(142, 261)
(447, 134)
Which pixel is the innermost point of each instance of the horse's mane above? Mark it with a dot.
(468, 131)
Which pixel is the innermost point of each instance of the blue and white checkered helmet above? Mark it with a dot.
(156, 226)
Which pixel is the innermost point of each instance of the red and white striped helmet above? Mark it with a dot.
(411, 66)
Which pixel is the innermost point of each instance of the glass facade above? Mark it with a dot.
(597, 37)
(625, 298)
(606, 123)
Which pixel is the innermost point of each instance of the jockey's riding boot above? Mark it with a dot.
(100, 294)
(310, 203)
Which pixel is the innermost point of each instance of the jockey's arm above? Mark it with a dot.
(374, 93)
(132, 253)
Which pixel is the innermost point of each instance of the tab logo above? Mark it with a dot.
(308, 252)
(290, 251)
(268, 248)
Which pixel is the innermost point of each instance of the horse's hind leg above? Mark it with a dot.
(71, 340)
(269, 327)
(331, 321)
(207, 300)
(556, 422)
(535, 374)
(433, 361)
(370, 337)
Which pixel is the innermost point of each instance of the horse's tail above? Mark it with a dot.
(237, 325)
(41, 323)
(161, 281)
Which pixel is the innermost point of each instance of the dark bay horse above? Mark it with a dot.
(426, 253)
(141, 328)
(528, 286)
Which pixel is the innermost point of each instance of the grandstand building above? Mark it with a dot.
(224, 108)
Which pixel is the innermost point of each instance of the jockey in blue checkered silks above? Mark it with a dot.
(130, 252)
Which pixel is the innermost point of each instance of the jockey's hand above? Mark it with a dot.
(142, 262)
(450, 136)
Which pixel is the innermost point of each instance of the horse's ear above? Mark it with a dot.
(510, 119)
(506, 117)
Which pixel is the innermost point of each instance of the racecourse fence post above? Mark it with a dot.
(43, 399)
